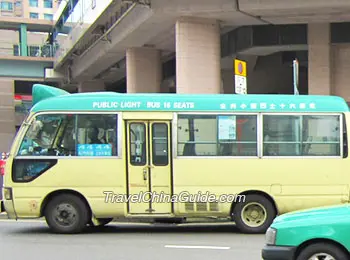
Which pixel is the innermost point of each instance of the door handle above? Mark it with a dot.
(145, 171)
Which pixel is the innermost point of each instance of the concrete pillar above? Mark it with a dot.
(91, 86)
(7, 114)
(341, 68)
(198, 56)
(143, 70)
(228, 83)
(320, 64)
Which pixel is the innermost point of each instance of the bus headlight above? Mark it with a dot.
(270, 236)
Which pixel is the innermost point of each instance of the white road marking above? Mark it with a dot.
(198, 247)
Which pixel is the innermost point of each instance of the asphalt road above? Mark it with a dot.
(31, 240)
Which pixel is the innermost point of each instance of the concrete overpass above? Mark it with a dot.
(246, 28)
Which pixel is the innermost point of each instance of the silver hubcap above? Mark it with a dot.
(254, 214)
(322, 256)
(65, 215)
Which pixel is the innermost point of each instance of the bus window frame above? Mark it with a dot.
(260, 132)
(340, 156)
(120, 135)
(175, 134)
(344, 136)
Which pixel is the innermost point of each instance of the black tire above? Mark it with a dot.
(335, 251)
(72, 206)
(268, 212)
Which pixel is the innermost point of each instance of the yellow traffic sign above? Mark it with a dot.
(240, 68)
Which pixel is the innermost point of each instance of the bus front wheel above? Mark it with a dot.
(66, 214)
(255, 214)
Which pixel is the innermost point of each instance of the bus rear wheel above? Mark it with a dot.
(254, 215)
(66, 214)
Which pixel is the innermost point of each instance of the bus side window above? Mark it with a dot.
(322, 135)
(111, 138)
(66, 140)
(217, 135)
(302, 135)
(94, 135)
(189, 149)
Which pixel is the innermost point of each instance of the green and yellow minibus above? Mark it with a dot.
(85, 159)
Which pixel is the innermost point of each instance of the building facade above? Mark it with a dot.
(174, 46)
(189, 46)
(24, 54)
(33, 9)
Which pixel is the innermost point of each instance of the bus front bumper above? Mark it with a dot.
(278, 253)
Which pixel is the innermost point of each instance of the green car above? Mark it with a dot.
(319, 233)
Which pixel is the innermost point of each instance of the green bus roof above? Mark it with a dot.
(48, 99)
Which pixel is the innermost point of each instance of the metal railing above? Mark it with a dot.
(82, 23)
(13, 49)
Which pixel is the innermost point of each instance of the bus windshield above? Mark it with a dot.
(67, 134)
(41, 135)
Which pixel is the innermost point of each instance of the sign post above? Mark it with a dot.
(296, 76)
(240, 76)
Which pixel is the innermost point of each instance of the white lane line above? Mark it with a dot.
(198, 247)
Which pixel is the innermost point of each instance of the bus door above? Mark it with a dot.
(149, 166)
